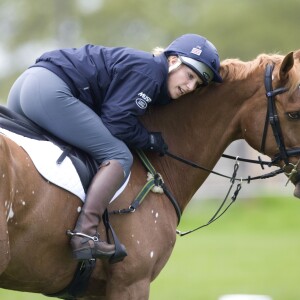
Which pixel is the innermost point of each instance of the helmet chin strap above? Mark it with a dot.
(175, 66)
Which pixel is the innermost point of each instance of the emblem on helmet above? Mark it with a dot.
(196, 51)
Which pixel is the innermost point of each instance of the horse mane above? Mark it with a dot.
(236, 69)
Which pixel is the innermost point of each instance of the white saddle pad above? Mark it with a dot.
(44, 155)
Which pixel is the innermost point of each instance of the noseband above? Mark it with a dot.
(273, 120)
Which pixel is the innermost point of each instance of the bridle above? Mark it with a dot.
(273, 120)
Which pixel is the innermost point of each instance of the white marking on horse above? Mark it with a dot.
(10, 214)
(79, 209)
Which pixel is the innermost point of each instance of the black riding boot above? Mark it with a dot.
(85, 242)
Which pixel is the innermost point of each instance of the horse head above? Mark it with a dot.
(289, 74)
(278, 133)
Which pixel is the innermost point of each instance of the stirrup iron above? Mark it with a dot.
(73, 233)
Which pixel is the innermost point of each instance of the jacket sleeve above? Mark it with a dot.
(128, 97)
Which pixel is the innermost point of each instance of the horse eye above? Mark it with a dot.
(294, 115)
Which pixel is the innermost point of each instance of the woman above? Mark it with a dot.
(91, 98)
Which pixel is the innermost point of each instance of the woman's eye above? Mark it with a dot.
(294, 115)
(191, 77)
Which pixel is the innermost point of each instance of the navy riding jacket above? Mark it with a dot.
(117, 83)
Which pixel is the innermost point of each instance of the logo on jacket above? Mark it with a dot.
(143, 100)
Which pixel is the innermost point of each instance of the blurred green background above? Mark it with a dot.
(238, 28)
(254, 248)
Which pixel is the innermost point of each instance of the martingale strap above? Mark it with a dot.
(159, 182)
(155, 180)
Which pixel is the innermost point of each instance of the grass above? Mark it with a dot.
(253, 249)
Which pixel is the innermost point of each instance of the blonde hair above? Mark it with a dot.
(157, 51)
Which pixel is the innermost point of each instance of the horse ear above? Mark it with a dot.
(286, 65)
(297, 54)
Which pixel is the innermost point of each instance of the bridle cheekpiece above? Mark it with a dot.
(273, 119)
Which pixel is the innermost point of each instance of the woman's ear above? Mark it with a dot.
(173, 60)
(174, 63)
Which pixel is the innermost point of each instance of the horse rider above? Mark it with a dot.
(91, 97)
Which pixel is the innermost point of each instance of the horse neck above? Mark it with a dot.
(198, 127)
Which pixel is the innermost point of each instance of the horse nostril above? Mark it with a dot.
(297, 189)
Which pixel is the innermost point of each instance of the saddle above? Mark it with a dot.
(84, 164)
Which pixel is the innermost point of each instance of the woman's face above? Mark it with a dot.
(181, 79)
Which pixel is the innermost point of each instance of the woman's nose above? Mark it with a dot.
(192, 85)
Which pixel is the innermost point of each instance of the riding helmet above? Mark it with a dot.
(197, 53)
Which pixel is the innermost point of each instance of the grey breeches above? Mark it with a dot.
(47, 100)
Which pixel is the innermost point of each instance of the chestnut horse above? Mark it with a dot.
(35, 255)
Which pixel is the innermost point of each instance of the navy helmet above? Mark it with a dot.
(199, 54)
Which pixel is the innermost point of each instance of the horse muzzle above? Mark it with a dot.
(296, 182)
(293, 175)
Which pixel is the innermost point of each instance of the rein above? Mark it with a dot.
(219, 211)
(248, 179)
(157, 181)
